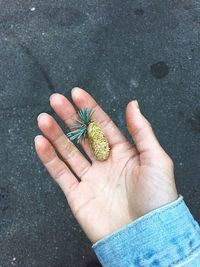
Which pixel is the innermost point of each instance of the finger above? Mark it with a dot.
(66, 111)
(55, 166)
(87, 148)
(68, 151)
(82, 99)
(140, 129)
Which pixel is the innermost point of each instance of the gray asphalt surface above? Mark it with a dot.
(117, 50)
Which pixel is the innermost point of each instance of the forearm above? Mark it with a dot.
(168, 236)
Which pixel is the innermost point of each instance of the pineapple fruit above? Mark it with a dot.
(85, 128)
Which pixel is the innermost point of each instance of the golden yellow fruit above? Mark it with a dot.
(98, 141)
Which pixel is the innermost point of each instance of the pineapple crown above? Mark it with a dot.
(79, 130)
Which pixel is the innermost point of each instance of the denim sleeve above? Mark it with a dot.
(168, 236)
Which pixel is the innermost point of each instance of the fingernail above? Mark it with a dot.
(40, 115)
(37, 136)
(53, 95)
(75, 89)
(136, 103)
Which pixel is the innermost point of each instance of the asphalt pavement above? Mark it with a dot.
(118, 51)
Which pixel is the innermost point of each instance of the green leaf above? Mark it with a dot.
(80, 128)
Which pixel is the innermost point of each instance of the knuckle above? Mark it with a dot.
(70, 149)
(106, 123)
(59, 174)
(83, 172)
(135, 131)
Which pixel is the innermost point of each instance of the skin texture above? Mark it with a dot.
(108, 195)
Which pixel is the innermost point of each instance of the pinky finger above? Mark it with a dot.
(55, 166)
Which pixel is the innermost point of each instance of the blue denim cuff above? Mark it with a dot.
(168, 236)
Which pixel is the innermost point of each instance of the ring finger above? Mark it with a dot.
(68, 151)
(65, 110)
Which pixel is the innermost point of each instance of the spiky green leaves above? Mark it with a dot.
(85, 128)
(78, 134)
(85, 115)
(80, 128)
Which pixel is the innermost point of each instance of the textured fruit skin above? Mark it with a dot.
(98, 141)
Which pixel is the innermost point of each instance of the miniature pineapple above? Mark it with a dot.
(85, 128)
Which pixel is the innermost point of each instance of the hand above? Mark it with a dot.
(135, 179)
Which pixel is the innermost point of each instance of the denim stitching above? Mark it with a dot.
(185, 257)
(141, 222)
(136, 223)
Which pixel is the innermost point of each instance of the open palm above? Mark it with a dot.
(105, 196)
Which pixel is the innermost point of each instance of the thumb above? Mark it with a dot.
(141, 130)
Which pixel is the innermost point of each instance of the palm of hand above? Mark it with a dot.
(131, 183)
(114, 193)
(102, 196)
